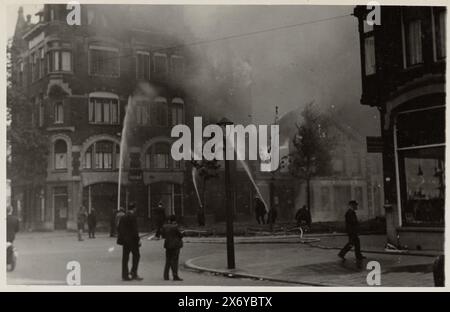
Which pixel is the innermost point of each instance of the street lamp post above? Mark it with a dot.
(229, 211)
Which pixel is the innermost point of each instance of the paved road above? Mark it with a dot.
(43, 258)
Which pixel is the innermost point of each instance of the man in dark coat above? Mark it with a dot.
(303, 217)
(128, 237)
(92, 223)
(173, 243)
(160, 217)
(352, 228)
(12, 226)
(260, 210)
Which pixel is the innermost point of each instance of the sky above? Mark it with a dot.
(289, 67)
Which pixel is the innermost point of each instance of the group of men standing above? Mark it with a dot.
(128, 237)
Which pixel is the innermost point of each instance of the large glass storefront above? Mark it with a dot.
(170, 195)
(421, 162)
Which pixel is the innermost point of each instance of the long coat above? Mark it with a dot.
(351, 222)
(128, 234)
(172, 235)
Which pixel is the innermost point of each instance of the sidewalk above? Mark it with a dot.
(369, 243)
(303, 264)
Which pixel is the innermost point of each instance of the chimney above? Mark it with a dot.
(28, 18)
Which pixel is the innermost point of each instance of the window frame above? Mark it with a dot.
(58, 104)
(100, 98)
(147, 54)
(91, 160)
(103, 48)
(175, 56)
(158, 54)
(55, 155)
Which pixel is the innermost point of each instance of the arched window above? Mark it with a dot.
(177, 111)
(158, 156)
(60, 150)
(102, 155)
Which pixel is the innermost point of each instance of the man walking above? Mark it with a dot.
(173, 243)
(128, 237)
(352, 228)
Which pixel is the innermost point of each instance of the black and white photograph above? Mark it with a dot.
(255, 145)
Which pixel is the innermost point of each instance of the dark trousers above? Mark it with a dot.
(91, 230)
(260, 219)
(171, 262)
(134, 250)
(353, 241)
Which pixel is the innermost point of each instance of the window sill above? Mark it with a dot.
(413, 67)
(103, 76)
(59, 127)
(162, 170)
(60, 171)
(99, 170)
(103, 124)
(67, 72)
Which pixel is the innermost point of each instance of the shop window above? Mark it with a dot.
(421, 163)
(60, 151)
(421, 127)
(170, 195)
(422, 186)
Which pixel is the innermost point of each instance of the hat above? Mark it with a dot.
(353, 202)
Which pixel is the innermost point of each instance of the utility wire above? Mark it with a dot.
(252, 33)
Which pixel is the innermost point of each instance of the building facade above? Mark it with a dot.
(106, 95)
(355, 174)
(403, 61)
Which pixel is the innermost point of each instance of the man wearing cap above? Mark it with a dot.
(351, 225)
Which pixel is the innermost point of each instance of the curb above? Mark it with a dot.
(400, 253)
(232, 273)
(311, 244)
